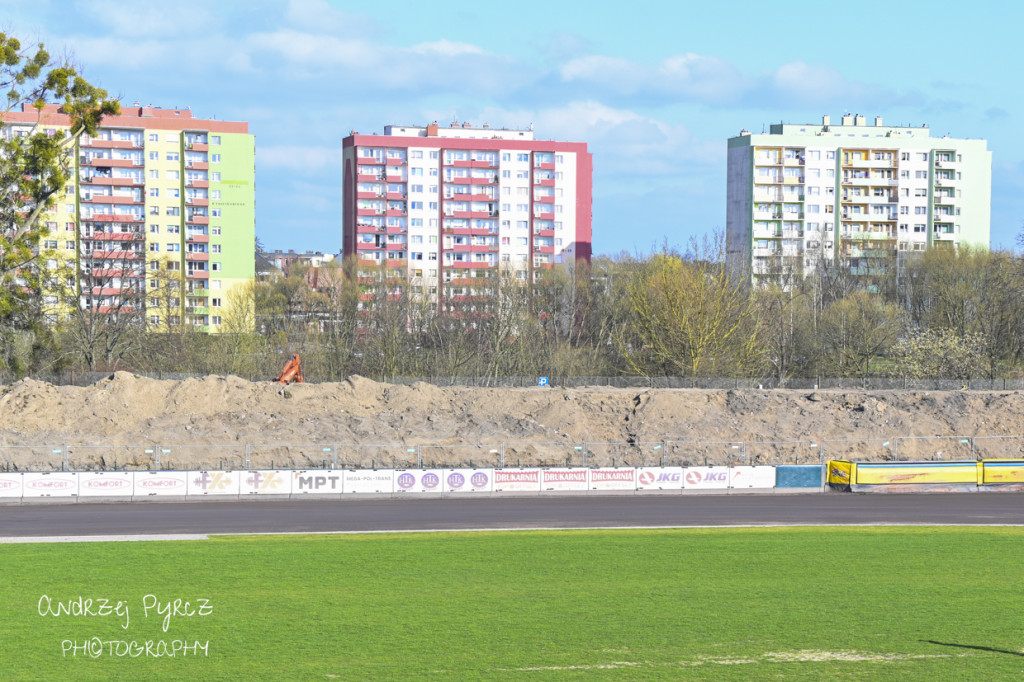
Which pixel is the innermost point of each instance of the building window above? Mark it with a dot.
(173, 175)
(154, 156)
(154, 247)
(215, 267)
(173, 210)
(173, 229)
(154, 175)
(215, 194)
(214, 212)
(215, 230)
(154, 229)
(173, 156)
(154, 192)
(215, 176)
(214, 248)
(154, 137)
(416, 154)
(214, 158)
(415, 171)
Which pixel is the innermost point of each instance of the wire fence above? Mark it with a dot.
(235, 457)
(874, 383)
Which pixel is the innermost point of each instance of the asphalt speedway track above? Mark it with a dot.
(591, 511)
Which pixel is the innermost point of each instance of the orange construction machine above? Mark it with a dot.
(292, 372)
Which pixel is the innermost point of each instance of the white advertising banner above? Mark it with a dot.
(564, 479)
(10, 485)
(54, 484)
(752, 477)
(369, 481)
(517, 480)
(705, 478)
(161, 483)
(659, 478)
(106, 483)
(468, 480)
(317, 482)
(617, 478)
(214, 482)
(265, 482)
(418, 480)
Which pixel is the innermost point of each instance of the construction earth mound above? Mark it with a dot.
(131, 422)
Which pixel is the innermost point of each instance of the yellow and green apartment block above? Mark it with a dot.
(160, 212)
(852, 193)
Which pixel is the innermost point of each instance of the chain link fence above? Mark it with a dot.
(236, 457)
(723, 383)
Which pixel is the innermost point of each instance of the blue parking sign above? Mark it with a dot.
(542, 381)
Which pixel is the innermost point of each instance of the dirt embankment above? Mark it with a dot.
(127, 421)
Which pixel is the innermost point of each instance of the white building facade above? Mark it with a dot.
(852, 194)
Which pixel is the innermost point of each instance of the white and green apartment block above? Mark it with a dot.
(853, 194)
(160, 211)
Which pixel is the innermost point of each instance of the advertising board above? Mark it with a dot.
(1002, 471)
(265, 482)
(106, 483)
(10, 485)
(418, 481)
(381, 481)
(752, 477)
(564, 479)
(659, 478)
(213, 483)
(161, 483)
(917, 472)
(705, 478)
(51, 484)
(318, 482)
(614, 478)
(467, 480)
(517, 480)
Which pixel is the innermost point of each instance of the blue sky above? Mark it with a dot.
(654, 87)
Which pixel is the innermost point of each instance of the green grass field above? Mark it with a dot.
(739, 604)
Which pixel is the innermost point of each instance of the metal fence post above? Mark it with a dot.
(334, 461)
(584, 454)
(248, 452)
(896, 449)
(502, 456)
(157, 457)
(419, 458)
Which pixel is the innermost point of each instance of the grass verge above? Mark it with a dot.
(796, 603)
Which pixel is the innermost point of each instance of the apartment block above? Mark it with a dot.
(160, 212)
(854, 194)
(446, 206)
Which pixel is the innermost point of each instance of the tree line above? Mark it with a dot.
(941, 313)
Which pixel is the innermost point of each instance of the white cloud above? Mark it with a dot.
(447, 48)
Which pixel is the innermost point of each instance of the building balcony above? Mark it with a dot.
(197, 165)
(946, 182)
(105, 181)
(458, 230)
(198, 274)
(397, 196)
(467, 264)
(117, 255)
(544, 166)
(196, 256)
(198, 184)
(544, 182)
(395, 213)
(368, 161)
(197, 146)
(461, 163)
(485, 181)
(543, 249)
(463, 248)
(483, 163)
(395, 229)
(543, 199)
(396, 162)
(116, 236)
(369, 177)
(370, 211)
(196, 201)
(198, 220)
(397, 262)
(111, 199)
(197, 310)
(111, 144)
(459, 181)
(198, 238)
(369, 246)
(544, 233)
(367, 228)
(107, 309)
(112, 163)
(112, 218)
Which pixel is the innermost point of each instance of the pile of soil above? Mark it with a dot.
(127, 421)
